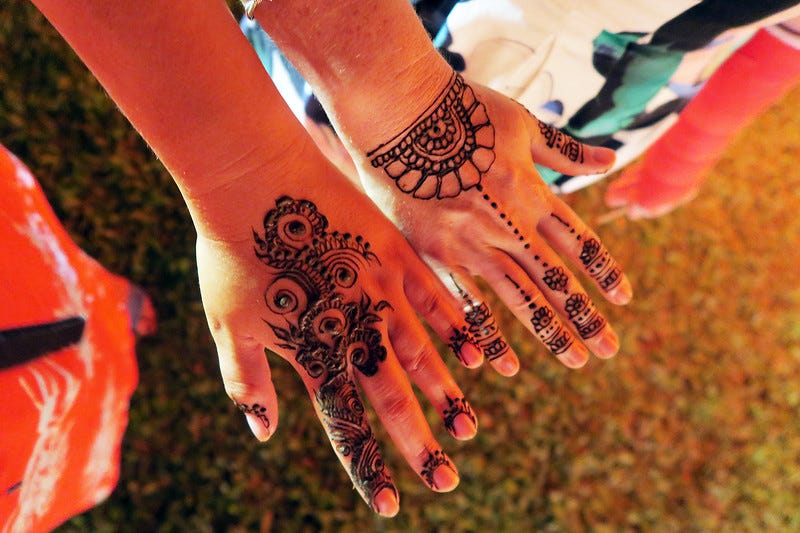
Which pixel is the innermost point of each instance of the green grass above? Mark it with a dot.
(693, 427)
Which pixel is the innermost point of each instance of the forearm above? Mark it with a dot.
(214, 119)
(370, 61)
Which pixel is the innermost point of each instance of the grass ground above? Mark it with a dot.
(693, 427)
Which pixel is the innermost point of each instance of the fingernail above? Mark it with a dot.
(575, 357)
(471, 355)
(386, 503)
(608, 345)
(622, 293)
(507, 366)
(464, 427)
(445, 478)
(604, 157)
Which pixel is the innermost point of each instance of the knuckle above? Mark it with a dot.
(398, 407)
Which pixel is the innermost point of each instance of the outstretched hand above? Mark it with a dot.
(307, 285)
(460, 183)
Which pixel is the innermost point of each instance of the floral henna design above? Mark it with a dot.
(482, 326)
(562, 142)
(448, 149)
(596, 259)
(434, 461)
(584, 315)
(328, 323)
(257, 410)
(545, 324)
(457, 406)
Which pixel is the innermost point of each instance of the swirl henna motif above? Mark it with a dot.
(257, 410)
(328, 323)
(446, 150)
(482, 326)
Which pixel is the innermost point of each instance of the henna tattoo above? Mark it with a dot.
(457, 341)
(545, 324)
(584, 315)
(595, 258)
(435, 460)
(482, 326)
(257, 410)
(556, 279)
(566, 145)
(446, 150)
(328, 323)
(456, 407)
(600, 265)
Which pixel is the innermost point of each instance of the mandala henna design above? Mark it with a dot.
(328, 323)
(257, 410)
(435, 460)
(545, 324)
(584, 315)
(482, 326)
(457, 406)
(448, 149)
(566, 145)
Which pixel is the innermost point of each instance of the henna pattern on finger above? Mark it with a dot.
(565, 144)
(435, 460)
(584, 315)
(482, 325)
(545, 324)
(257, 410)
(456, 407)
(595, 258)
(329, 323)
(447, 149)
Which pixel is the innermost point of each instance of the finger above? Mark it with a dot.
(528, 304)
(429, 297)
(482, 325)
(555, 149)
(390, 394)
(246, 376)
(426, 369)
(565, 293)
(572, 238)
(343, 415)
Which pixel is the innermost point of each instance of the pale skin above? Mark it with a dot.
(234, 150)
(376, 80)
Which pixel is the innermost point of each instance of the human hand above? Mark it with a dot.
(459, 181)
(305, 284)
(643, 194)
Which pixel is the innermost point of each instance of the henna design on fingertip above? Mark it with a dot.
(545, 324)
(435, 460)
(329, 323)
(482, 325)
(584, 315)
(457, 341)
(447, 149)
(565, 144)
(456, 407)
(257, 410)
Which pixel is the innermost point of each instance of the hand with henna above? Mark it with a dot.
(291, 256)
(452, 165)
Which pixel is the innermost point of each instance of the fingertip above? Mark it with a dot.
(576, 357)
(386, 502)
(608, 345)
(604, 158)
(507, 366)
(261, 424)
(622, 294)
(470, 355)
(464, 427)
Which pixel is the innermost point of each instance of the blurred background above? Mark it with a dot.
(692, 427)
